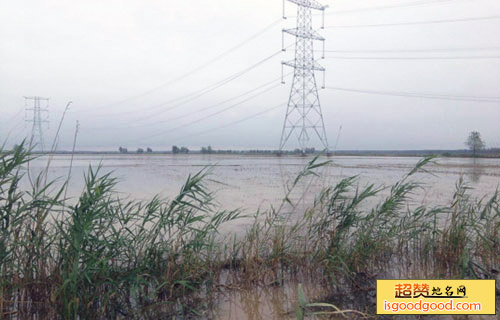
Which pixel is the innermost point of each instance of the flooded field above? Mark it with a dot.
(250, 182)
(335, 255)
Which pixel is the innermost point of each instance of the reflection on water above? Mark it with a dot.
(262, 303)
(476, 170)
(358, 294)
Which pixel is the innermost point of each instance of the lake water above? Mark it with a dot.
(251, 182)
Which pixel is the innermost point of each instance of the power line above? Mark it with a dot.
(421, 95)
(411, 4)
(9, 120)
(228, 100)
(20, 135)
(197, 94)
(200, 67)
(414, 50)
(212, 114)
(13, 125)
(218, 104)
(236, 122)
(17, 126)
(416, 58)
(201, 109)
(414, 23)
(254, 36)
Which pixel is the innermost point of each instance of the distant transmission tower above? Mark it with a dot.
(303, 116)
(35, 106)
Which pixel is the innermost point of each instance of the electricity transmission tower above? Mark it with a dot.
(303, 116)
(35, 104)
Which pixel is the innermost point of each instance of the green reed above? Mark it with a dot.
(106, 257)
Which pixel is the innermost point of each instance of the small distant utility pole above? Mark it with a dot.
(35, 106)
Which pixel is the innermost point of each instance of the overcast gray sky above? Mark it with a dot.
(117, 59)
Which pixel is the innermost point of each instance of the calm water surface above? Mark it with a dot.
(250, 182)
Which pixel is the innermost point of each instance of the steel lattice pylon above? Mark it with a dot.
(36, 139)
(303, 116)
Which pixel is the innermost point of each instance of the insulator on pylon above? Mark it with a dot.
(283, 40)
(282, 76)
(284, 15)
(324, 80)
(323, 19)
(323, 55)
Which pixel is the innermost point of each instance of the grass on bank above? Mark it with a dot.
(105, 257)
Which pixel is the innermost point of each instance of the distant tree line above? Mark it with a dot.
(207, 150)
(474, 142)
(210, 150)
(176, 150)
(139, 150)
